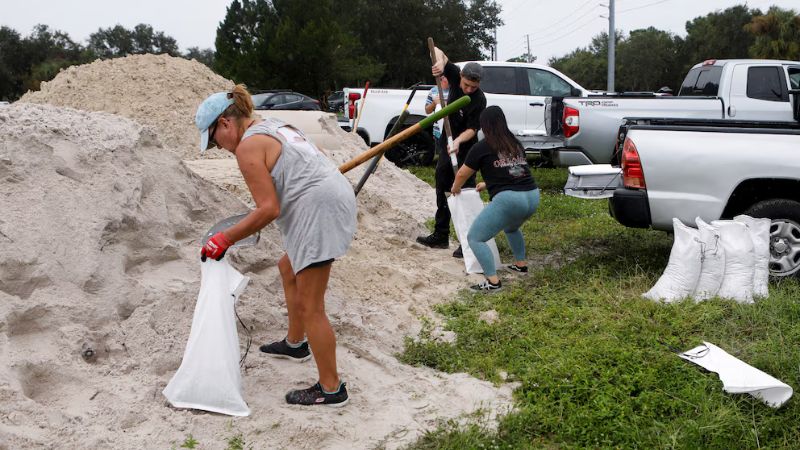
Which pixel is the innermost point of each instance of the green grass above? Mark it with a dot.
(596, 363)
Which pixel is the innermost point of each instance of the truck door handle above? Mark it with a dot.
(536, 104)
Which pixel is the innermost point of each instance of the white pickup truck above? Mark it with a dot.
(520, 89)
(714, 169)
(743, 89)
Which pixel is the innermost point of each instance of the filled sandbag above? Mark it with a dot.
(209, 376)
(683, 269)
(759, 233)
(737, 284)
(712, 269)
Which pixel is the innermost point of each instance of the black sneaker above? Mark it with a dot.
(516, 268)
(280, 349)
(486, 286)
(434, 241)
(458, 253)
(315, 396)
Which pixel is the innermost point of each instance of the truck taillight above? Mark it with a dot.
(351, 104)
(632, 173)
(571, 121)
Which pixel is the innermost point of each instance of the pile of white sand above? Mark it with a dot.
(156, 90)
(101, 229)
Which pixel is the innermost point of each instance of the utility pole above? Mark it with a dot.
(528, 55)
(611, 44)
(494, 48)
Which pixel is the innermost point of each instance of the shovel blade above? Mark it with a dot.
(224, 224)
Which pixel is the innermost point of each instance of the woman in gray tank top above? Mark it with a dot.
(297, 187)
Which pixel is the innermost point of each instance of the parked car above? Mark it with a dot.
(742, 89)
(336, 102)
(520, 89)
(284, 100)
(714, 169)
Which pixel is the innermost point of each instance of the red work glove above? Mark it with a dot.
(215, 247)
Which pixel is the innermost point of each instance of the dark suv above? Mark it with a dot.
(284, 100)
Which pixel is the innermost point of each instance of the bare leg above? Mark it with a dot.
(311, 285)
(296, 331)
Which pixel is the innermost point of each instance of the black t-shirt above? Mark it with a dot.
(469, 116)
(500, 174)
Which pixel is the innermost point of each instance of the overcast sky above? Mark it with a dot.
(556, 27)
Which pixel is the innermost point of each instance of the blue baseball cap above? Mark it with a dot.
(208, 112)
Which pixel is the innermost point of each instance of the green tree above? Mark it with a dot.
(646, 61)
(395, 32)
(120, 41)
(242, 43)
(718, 35)
(14, 63)
(50, 51)
(777, 35)
(589, 66)
(522, 58)
(205, 56)
(289, 44)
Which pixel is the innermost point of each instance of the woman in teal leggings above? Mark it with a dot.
(512, 190)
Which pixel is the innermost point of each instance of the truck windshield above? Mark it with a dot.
(702, 81)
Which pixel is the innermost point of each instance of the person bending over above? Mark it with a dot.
(512, 190)
(295, 185)
(465, 125)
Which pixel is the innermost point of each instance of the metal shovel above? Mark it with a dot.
(224, 224)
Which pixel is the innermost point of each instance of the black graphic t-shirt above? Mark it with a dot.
(500, 174)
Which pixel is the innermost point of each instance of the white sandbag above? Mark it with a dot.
(209, 376)
(683, 269)
(737, 284)
(739, 377)
(712, 269)
(464, 209)
(759, 233)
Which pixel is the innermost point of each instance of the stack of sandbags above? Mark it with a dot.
(727, 258)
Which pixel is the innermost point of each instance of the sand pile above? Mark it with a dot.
(101, 227)
(157, 90)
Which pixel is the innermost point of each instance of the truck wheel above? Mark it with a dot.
(784, 233)
(417, 150)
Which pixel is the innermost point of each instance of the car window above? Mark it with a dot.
(794, 77)
(276, 99)
(259, 99)
(767, 83)
(290, 98)
(702, 81)
(499, 80)
(547, 84)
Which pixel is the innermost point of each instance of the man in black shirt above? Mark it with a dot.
(464, 124)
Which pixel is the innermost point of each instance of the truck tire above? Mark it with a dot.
(418, 150)
(784, 233)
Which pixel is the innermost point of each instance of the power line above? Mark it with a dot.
(558, 21)
(640, 7)
(590, 11)
(577, 27)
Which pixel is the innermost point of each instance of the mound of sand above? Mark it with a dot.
(101, 227)
(157, 90)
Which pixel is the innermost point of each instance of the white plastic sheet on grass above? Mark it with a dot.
(464, 208)
(738, 377)
(683, 269)
(209, 376)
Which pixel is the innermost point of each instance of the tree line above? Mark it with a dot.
(649, 59)
(315, 47)
(25, 62)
